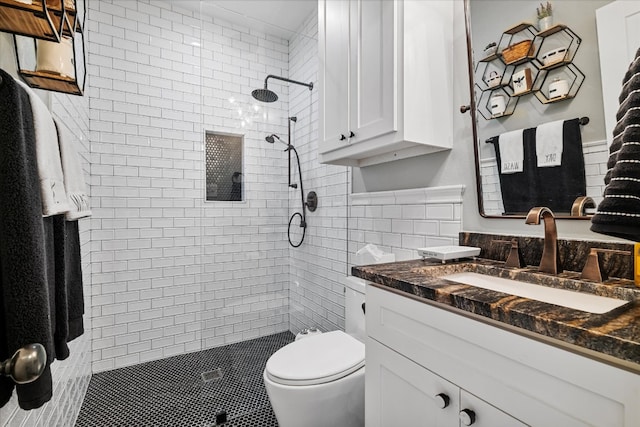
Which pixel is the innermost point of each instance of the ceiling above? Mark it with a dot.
(277, 17)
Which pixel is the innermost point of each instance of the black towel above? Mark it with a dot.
(24, 294)
(519, 192)
(554, 187)
(619, 212)
(559, 186)
(64, 257)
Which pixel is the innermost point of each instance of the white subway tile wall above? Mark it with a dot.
(596, 154)
(173, 274)
(319, 264)
(71, 376)
(419, 217)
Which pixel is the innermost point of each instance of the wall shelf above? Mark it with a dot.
(43, 19)
(49, 81)
(47, 21)
(557, 36)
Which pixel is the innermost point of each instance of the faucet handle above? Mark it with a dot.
(591, 270)
(581, 204)
(515, 257)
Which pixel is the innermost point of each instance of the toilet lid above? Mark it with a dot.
(316, 360)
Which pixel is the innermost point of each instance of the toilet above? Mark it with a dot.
(319, 381)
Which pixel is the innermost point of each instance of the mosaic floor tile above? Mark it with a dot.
(171, 392)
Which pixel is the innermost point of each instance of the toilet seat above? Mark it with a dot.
(316, 360)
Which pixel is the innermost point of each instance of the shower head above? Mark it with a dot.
(266, 95)
(271, 138)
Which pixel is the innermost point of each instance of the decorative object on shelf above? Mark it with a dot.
(490, 49)
(521, 81)
(498, 105)
(517, 52)
(494, 79)
(55, 58)
(554, 56)
(545, 16)
(559, 87)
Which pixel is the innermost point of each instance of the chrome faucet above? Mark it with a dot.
(550, 262)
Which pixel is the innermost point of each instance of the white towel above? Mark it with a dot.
(74, 182)
(549, 144)
(54, 196)
(511, 152)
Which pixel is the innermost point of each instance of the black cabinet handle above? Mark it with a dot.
(363, 310)
(467, 416)
(351, 134)
(442, 400)
(342, 137)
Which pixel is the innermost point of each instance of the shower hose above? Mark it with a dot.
(303, 215)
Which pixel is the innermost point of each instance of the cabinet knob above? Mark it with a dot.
(342, 137)
(364, 308)
(442, 400)
(351, 134)
(467, 416)
(465, 108)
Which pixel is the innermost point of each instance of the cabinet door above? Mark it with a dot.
(374, 38)
(400, 392)
(333, 45)
(485, 414)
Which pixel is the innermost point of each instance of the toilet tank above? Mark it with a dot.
(353, 313)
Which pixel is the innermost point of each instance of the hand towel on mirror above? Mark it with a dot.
(74, 182)
(549, 144)
(511, 152)
(54, 196)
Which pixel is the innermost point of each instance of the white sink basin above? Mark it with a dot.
(570, 299)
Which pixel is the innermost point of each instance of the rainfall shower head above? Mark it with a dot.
(266, 95)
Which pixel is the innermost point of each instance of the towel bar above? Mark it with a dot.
(582, 120)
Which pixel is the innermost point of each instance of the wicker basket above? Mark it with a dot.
(517, 51)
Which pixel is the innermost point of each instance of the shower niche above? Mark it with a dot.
(224, 154)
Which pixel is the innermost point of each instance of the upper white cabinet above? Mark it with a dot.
(385, 79)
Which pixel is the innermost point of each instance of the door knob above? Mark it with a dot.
(442, 400)
(342, 137)
(467, 416)
(26, 365)
(465, 108)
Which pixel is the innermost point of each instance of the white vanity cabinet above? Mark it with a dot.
(417, 352)
(403, 393)
(385, 79)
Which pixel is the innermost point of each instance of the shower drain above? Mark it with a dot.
(209, 376)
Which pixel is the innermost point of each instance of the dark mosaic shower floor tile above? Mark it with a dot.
(171, 392)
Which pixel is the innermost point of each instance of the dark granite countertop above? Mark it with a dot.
(615, 334)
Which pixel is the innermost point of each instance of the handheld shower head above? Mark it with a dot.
(272, 138)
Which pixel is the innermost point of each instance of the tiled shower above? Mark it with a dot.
(167, 273)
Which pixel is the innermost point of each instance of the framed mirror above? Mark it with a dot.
(533, 79)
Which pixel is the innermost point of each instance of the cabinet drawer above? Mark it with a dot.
(537, 383)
